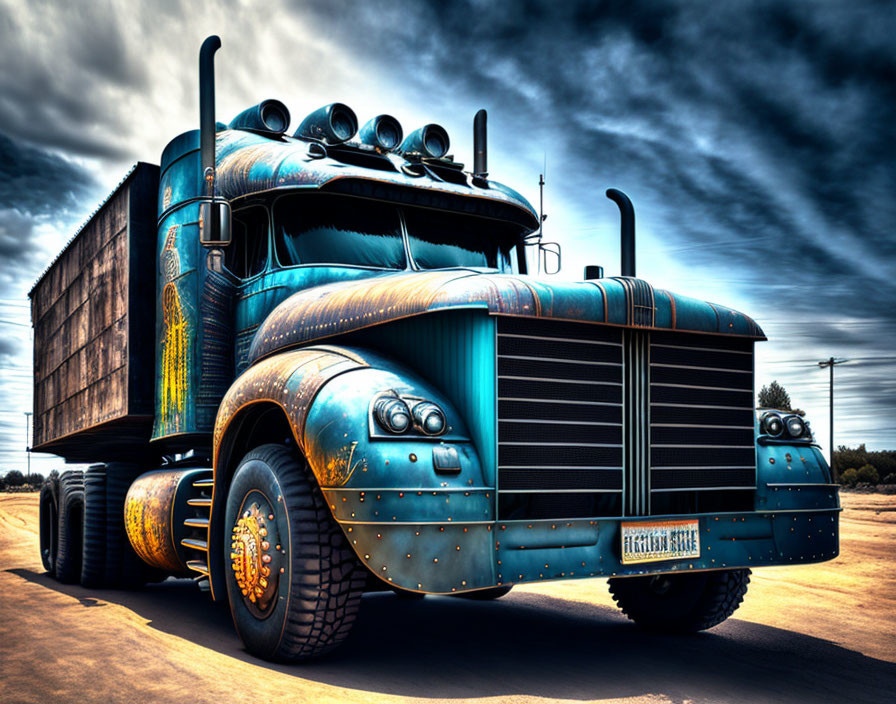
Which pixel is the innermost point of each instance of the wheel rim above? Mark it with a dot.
(256, 553)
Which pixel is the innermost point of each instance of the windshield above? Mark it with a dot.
(325, 228)
(440, 240)
(330, 229)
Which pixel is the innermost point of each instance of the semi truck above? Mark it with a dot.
(304, 366)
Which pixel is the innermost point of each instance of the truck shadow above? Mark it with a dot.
(528, 644)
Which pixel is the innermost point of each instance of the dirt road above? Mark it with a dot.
(822, 633)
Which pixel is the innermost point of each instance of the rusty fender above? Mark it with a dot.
(414, 520)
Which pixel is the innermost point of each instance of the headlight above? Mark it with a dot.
(796, 427)
(393, 414)
(772, 425)
(429, 418)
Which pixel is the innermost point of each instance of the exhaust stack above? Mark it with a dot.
(480, 145)
(207, 118)
(627, 229)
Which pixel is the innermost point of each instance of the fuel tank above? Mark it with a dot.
(166, 516)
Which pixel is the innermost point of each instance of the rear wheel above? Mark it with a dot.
(93, 563)
(71, 527)
(49, 524)
(294, 583)
(681, 603)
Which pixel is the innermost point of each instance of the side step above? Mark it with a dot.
(199, 566)
(197, 525)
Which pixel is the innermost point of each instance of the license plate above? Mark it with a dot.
(662, 540)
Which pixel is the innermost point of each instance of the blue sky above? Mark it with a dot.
(755, 140)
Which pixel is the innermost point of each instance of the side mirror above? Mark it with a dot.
(209, 235)
(551, 260)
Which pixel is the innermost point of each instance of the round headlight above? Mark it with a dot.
(772, 424)
(393, 414)
(429, 418)
(796, 427)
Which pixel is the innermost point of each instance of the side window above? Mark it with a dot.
(247, 253)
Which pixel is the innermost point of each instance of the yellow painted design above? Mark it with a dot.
(339, 469)
(174, 358)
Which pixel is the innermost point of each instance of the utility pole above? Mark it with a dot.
(28, 441)
(832, 362)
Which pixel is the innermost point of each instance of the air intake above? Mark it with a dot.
(269, 116)
(332, 124)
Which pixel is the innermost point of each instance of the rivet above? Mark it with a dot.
(412, 457)
(408, 556)
(435, 559)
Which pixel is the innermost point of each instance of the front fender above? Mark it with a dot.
(793, 476)
(375, 486)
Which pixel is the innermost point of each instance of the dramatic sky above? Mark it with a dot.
(755, 139)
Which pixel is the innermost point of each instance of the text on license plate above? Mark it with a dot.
(662, 540)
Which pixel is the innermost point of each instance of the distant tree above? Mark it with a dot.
(15, 478)
(774, 396)
(2, 483)
(36, 479)
(867, 474)
(849, 457)
(53, 476)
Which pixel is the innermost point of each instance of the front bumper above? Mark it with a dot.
(445, 541)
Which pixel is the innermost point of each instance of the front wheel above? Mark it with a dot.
(681, 602)
(293, 582)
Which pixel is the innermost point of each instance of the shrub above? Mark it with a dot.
(868, 474)
(890, 479)
(15, 478)
(849, 477)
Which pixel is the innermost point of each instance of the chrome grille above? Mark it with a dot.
(560, 395)
(701, 413)
(601, 421)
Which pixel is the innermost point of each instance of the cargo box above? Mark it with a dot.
(94, 331)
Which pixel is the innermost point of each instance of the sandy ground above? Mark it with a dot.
(822, 633)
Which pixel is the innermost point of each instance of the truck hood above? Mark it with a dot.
(337, 308)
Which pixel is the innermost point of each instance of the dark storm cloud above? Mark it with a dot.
(66, 66)
(756, 135)
(35, 186)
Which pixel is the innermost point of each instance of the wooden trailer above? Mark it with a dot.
(93, 313)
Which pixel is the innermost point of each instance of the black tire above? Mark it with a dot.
(487, 594)
(306, 602)
(681, 603)
(71, 527)
(49, 524)
(93, 563)
(123, 567)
